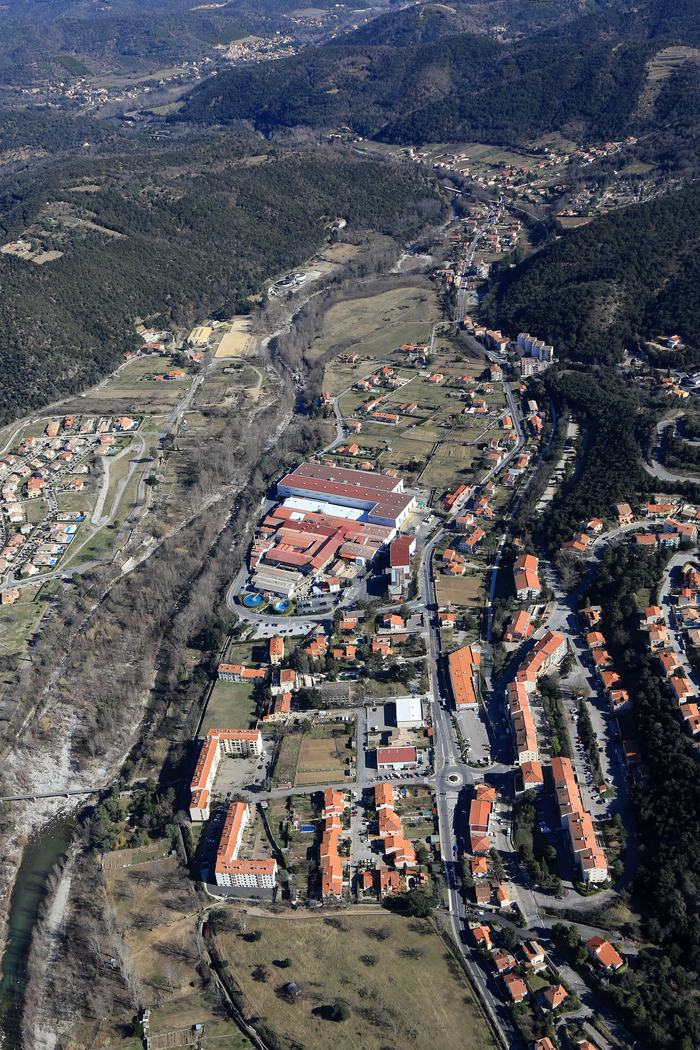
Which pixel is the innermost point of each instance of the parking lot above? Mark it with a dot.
(476, 736)
(271, 628)
(236, 774)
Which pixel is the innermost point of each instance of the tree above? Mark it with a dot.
(340, 1012)
(418, 904)
(422, 855)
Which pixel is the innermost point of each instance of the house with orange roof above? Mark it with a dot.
(619, 700)
(526, 578)
(501, 896)
(669, 663)
(520, 627)
(623, 512)
(532, 955)
(552, 998)
(603, 955)
(681, 689)
(515, 987)
(238, 673)
(381, 645)
(482, 937)
(478, 867)
(533, 777)
(504, 962)
(276, 650)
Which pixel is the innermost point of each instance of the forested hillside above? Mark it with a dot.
(623, 277)
(203, 227)
(401, 80)
(462, 87)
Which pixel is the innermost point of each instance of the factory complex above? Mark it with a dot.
(330, 523)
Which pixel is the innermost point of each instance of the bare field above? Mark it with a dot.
(235, 341)
(459, 590)
(403, 991)
(341, 253)
(286, 764)
(319, 762)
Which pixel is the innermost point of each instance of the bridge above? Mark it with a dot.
(51, 794)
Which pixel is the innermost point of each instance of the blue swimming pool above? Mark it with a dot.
(281, 607)
(252, 600)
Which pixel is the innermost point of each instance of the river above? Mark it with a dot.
(43, 851)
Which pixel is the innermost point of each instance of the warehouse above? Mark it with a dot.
(382, 497)
(409, 712)
(276, 581)
(396, 758)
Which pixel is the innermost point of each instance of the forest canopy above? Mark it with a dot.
(202, 229)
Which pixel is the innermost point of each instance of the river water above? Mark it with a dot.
(43, 851)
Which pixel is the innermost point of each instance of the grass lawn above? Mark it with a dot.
(17, 622)
(74, 501)
(35, 510)
(231, 706)
(403, 991)
(153, 423)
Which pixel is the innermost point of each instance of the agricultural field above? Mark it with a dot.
(324, 754)
(380, 322)
(401, 985)
(231, 706)
(133, 389)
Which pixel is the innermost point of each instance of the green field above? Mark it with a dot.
(231, 706)
(17, 622)
(382, 322)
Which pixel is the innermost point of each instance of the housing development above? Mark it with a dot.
(407, 718)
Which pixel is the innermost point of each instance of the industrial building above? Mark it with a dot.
(409, 712)
(381, 496)
(463, 666)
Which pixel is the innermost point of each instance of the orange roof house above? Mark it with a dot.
(553, 997)
(515, 987)
(604, 955)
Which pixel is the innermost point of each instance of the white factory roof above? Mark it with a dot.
(316, 506)
(409, 709)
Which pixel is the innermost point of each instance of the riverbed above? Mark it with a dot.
(44, 850)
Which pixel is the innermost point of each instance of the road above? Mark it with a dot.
(462, 293)
(655, 468)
